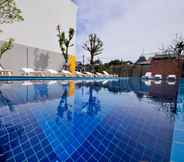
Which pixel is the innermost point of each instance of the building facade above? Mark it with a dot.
(36, 37)
(167, 65)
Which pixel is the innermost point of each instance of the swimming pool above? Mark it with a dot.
(114, 120)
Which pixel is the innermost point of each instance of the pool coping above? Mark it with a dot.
(17, 78)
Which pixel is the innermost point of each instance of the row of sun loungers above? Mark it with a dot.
(149, 76)
(65, 73)
(159, 82)
(5, 72)
(51, 72)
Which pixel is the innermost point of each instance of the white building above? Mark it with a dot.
(36, 36)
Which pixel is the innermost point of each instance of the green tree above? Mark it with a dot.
(65, 42)
(94, 46)
(6, 46)
(98, 62)
(179, 47)
(115, 62)
(9, 12)
(176, 47)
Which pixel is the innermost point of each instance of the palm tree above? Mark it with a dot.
(94, 46)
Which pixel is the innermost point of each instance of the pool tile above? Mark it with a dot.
(119, 132)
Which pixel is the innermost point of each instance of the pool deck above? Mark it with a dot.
(22, 78)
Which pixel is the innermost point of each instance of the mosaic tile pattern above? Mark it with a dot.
(22, 140)
(123, 138)
(92, 125)
(65, 135)
(177, 154)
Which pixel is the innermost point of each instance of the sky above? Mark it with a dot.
(129, 28)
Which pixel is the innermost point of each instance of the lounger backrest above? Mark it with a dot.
(106, 73)
(148, 74)
(27, 70)
(52, 71)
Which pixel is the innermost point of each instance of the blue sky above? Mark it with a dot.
(129, 27)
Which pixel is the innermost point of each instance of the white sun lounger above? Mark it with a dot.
(158, 77)
(53, 72)
(4, 72)
(158, 82)
(148, 75)
(171, 82)
(89, 74)
(79, 74)
(67, 73)
(32, 72)
(99, 74)
(148, 82)
(106, 73)
(171, 77)
(27, 71)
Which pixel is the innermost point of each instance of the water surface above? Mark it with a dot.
(98, 120)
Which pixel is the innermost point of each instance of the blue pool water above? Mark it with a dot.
(126, 120)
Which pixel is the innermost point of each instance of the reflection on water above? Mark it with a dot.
(6, 101)
(63, 107)
(92, 106)
(76, 109)
(41, 91)
(163, 93)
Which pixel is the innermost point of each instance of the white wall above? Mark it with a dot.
(24, 56)
(39, 27)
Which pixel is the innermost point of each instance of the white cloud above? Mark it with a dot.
(128, 27)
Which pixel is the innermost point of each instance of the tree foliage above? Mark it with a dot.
(179, 47)
(9, 12)
(98, 62)
(115, 62)
(176, 47)
(108, 66)
(6, 46)
(64, 41)
(94, 46)
(141, 59)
